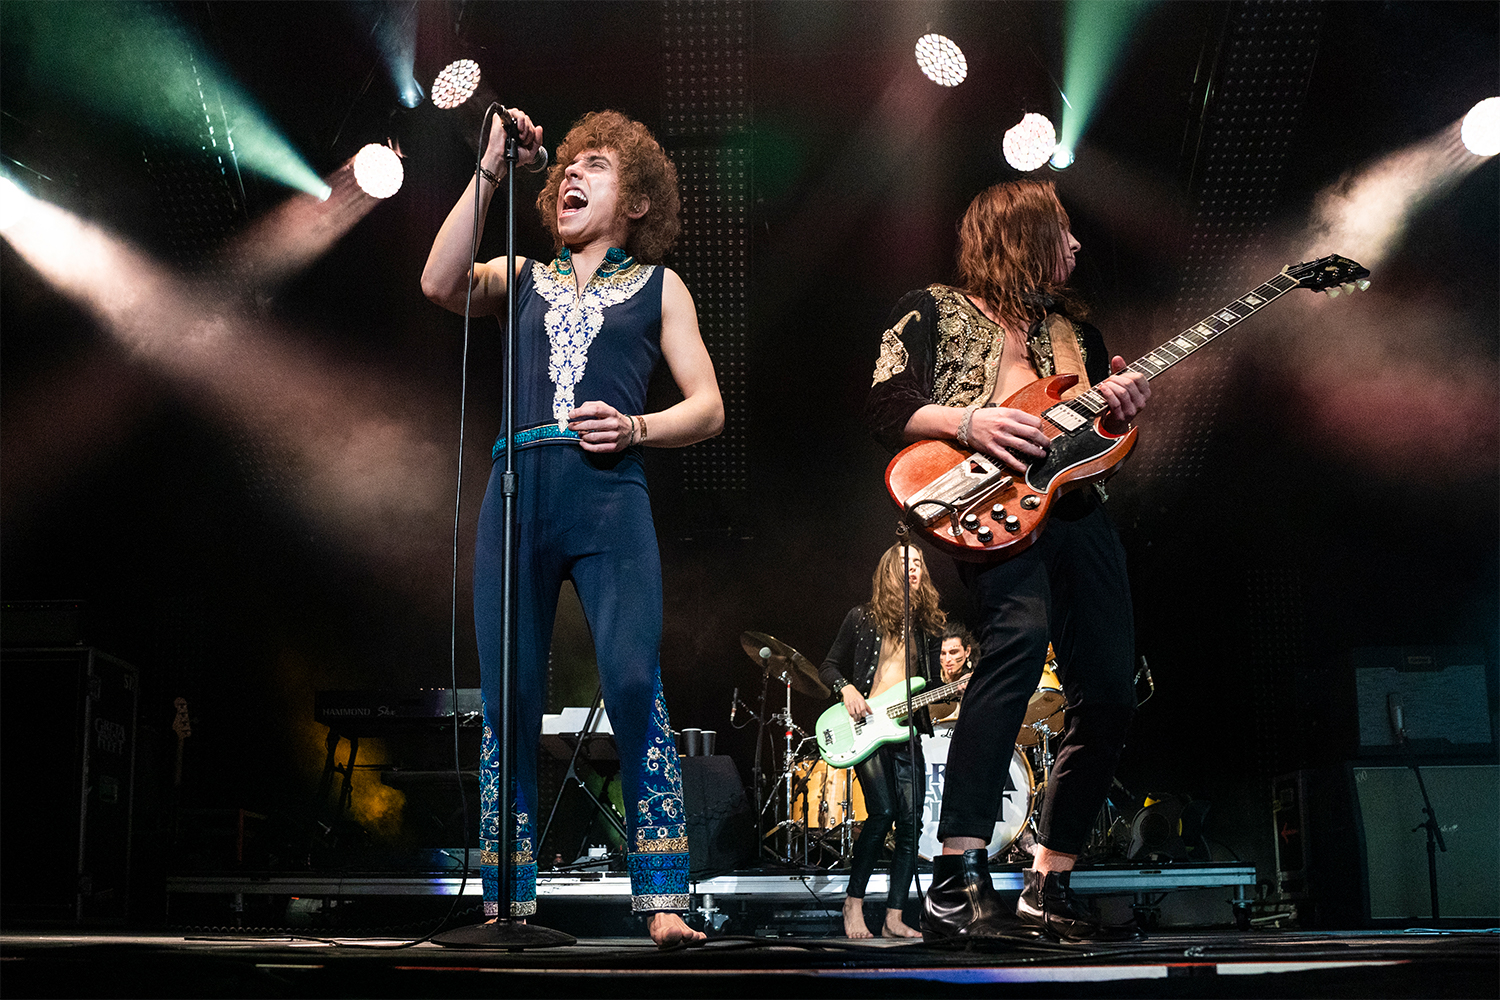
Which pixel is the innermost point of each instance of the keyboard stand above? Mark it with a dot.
(602, 808)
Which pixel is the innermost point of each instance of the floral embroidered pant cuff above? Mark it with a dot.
(586, 519)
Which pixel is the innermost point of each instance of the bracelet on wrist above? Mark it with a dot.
(489, 175)
(631, 439)
(963, 425)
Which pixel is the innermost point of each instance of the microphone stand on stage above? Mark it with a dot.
(506, 931)
(1430, 824)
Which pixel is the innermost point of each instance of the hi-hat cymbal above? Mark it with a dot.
(784, 663)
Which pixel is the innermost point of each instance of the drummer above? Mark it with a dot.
(956, 659)
(867, 659)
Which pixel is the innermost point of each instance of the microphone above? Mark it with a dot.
(734, 705)
(539, 160)
(1393, 705)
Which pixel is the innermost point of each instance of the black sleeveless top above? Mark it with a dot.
(603, 344)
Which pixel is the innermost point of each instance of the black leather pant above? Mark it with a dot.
(1070, 588)
(885, 779)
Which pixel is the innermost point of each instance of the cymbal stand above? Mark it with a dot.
(784, 719)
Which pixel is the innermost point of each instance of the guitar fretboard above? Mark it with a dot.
(1086, 406)
(923, 699)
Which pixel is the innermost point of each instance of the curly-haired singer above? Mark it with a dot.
(593, 324)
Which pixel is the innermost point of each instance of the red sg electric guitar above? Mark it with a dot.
(971, 506)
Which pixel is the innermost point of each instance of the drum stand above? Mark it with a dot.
(1043, 759)
(843, 848)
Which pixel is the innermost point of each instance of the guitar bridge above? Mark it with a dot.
(968, 481)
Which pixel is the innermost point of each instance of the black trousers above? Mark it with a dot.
(1069, 588)
(885, 779)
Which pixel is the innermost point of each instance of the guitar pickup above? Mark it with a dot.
(963, 484)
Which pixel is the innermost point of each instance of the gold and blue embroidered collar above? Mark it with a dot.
(616, 261)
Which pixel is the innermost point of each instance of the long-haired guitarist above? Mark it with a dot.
(867, 659)
(949, 359)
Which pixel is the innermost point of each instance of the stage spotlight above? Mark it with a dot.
(456, 83)
(378, 171)
(13, 202)
(1481, 128)
(411, 93)
(1061, 159)
(1030, 143)
(941, 60)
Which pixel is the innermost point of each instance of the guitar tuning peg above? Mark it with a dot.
(1363, 284)
(1350, 287)
(1333, 291)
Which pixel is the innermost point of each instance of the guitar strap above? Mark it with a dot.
(1067, 358)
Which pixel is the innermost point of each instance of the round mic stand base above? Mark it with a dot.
(508, 934)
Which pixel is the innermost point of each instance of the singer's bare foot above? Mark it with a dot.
(895, 927)
(854, 918)
(667, 929)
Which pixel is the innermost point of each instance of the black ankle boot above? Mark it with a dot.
(961, 900)
(1048, 904)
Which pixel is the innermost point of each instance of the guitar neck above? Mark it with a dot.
(924, 698)
(1207, 329)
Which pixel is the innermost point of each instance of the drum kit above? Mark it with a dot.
(821, 808)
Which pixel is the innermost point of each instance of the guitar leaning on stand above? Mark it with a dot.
(974, 508)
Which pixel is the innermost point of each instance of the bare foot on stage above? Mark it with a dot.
(667, 929)
(895, 927)
(854, 918)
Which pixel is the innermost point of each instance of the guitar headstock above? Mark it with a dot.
(183, 724)
(1330, 274)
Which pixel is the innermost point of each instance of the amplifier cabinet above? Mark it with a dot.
(67, 784)
(1466, 799)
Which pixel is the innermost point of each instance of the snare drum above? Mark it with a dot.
(1015, 805)
(818, 799)
(1045, 709)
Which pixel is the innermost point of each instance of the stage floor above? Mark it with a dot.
(1210, 964)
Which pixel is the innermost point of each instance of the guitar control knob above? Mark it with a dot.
(1012, 523)
(997, 512)
(1031, 501)
(984, 534)
(971, 522)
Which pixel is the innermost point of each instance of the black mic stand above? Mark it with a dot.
(506, 931)
(1434, 831)
(760, 740)
(911, 722)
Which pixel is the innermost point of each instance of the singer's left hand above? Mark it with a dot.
(600, 427)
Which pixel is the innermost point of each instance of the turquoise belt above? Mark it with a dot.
(534, 436)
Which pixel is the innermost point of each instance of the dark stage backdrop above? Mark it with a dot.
(1326, 482)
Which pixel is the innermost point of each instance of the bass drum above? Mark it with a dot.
(1015, 806)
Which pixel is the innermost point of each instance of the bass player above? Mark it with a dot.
(868, 658)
